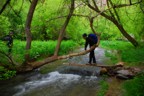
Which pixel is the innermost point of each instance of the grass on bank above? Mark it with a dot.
(135, 86)
(39, 49)
(127, 52)
(133, 56)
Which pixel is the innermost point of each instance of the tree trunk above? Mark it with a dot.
(33, 65)
(37, 64)
(27, 28)
(119, 26)
(62, 31)
(123, 31)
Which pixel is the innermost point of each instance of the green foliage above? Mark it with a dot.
(132, 20)
(116, 45)
(3, 50)
(125, 50)
(135, 86)
(16, 14)
(47, 48)
(112, 54)
(6, 74)
(46, 25)
(67, 46)
(38, 49)
(133, 55)
(107, 29)
(76, 28)
(115, 49)
(4, 26)
(18, 50)
(42, 48)
(43, 28)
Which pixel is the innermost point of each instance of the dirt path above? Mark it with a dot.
(114, 87)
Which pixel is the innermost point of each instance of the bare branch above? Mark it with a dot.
(56, 18)
(17, 14)
(21, 6)
(110, 10)
(125, 5)
(62, 31)
(4, 6)
(114, 11)
(95, 4)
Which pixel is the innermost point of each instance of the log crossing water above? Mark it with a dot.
(64, 81)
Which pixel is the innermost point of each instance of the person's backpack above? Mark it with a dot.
(93, 37)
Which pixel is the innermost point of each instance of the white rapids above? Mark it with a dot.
(54, 79)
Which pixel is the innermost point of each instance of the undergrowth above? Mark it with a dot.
(134, 57)
(123, 51)
(135, 86)
(39, 49)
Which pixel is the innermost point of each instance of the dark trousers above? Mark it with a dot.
(9, 51)
(10, 48)
(92, 57)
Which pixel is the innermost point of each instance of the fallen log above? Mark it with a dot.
(37, 64)
(105, 69)
(95, 65)
(118, 70)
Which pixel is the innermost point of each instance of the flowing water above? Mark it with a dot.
(64, 81)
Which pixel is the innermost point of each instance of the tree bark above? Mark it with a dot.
(27, 28)
(62, 31)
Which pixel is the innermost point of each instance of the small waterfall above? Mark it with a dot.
(55, 81)
(49, 79)
(64, 81)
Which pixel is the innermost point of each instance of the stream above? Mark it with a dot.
(64, 81)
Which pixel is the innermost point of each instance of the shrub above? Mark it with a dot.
(6, 74)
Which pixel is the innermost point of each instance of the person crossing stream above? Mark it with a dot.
(63, 81)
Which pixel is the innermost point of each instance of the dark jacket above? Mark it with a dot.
(89, 41)
(9, 40)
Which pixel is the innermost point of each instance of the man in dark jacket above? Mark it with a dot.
(91, 39)
(9, 39)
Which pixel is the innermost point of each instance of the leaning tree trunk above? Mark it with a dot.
(27, 28)
(37, 64)
(119, 26)
(123, 31)
(62, 31)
